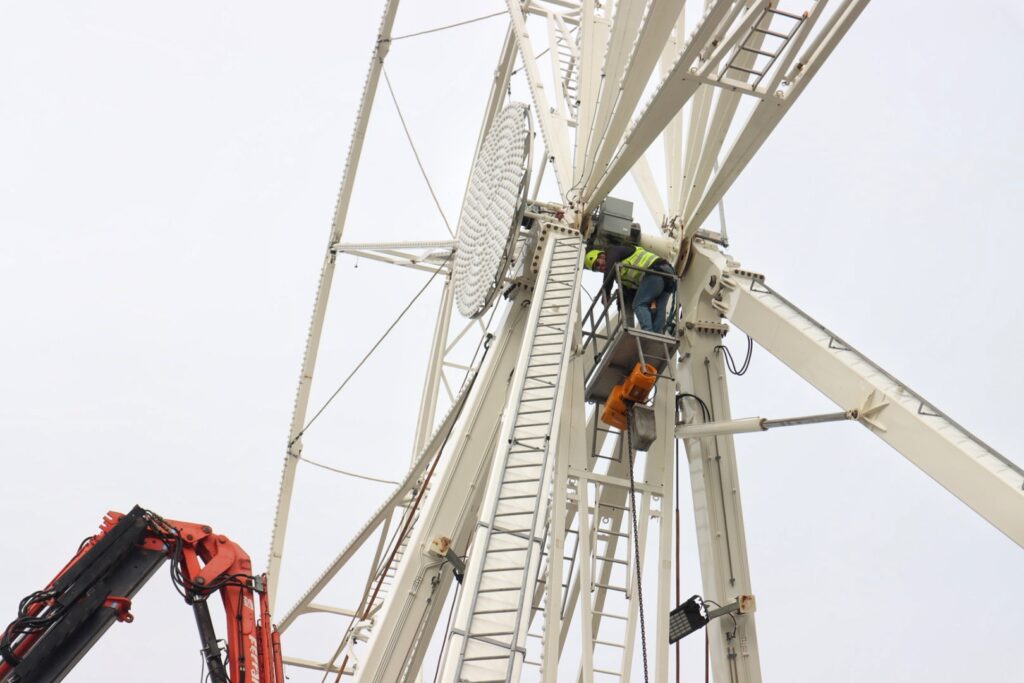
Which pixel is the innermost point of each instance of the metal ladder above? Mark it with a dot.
(567, 49)
(502, 578)
(613, 578)
(536, 634)
(771, 54)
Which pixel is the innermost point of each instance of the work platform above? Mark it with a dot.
(616, 344)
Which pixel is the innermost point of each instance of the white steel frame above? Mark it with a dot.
(587, 103)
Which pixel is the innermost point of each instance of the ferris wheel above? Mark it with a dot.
(532, 507)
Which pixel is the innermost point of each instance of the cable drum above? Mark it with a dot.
(492, 210)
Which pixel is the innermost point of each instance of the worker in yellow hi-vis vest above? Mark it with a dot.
(646, 279)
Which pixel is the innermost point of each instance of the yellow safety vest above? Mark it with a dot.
(640, 258)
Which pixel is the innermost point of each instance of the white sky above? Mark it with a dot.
(167, 176)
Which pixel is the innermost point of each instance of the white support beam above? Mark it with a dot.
(552, 126)
(672, 137)
(987, 481)
(398, 497)
(668, 99)
(435, 369)
(653, 33)
(714, 480)
(294, 449)
(721, 120)
(643, 176)
(613, 74)
(400, 632)
(770, 111)
(594, 31)
(572, 438)
(429, 263)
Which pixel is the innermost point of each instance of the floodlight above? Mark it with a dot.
(492, 210)
(694, 614)
(688, 617)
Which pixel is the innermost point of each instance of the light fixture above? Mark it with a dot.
(693, 615)
(686, 618)
(491, 211)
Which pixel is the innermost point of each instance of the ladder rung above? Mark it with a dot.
(798, 17)
(495, 570)
(485, 659)
(620, 589)
(771, 33)
(607, 642)
(620, 534)
(620, 617)
(773, 55)
(749, 71)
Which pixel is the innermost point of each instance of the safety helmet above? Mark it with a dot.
(591, 258)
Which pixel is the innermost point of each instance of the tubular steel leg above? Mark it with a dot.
(719, 515)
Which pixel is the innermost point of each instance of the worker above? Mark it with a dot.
(644, 285)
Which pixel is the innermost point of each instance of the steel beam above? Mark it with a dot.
(714, 480)
(400, 631)
(294, 448)
(770, 111)
(987, 481)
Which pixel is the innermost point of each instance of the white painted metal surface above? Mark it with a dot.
(560, 539)
(987, 481)
(488, 638)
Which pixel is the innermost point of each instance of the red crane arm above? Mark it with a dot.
(56, 626)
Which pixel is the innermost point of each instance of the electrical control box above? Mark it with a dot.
(613, 222)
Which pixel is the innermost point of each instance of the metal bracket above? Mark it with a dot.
(442, 545)
(869, 410)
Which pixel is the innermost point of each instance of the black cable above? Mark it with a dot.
(705, 411)
(636, 556)
(368, 354)
(447, 629)
(444, 28)
(731, 363)
(486, 345)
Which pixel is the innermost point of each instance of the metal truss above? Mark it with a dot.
(432, 256)
(601, 60)
(987, 481)
(561, 538)
(294, 445)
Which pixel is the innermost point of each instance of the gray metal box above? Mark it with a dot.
(616, 218)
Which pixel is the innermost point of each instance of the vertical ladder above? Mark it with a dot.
(489, 633)
(567, 50)
(767, 55)
(536, 634)
(613, 576)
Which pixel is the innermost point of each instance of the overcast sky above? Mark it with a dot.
(167, 178)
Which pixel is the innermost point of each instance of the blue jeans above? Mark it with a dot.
(653, 287)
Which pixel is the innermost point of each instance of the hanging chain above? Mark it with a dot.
(636, 554)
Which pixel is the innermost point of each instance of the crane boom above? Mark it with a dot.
(58, 625)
